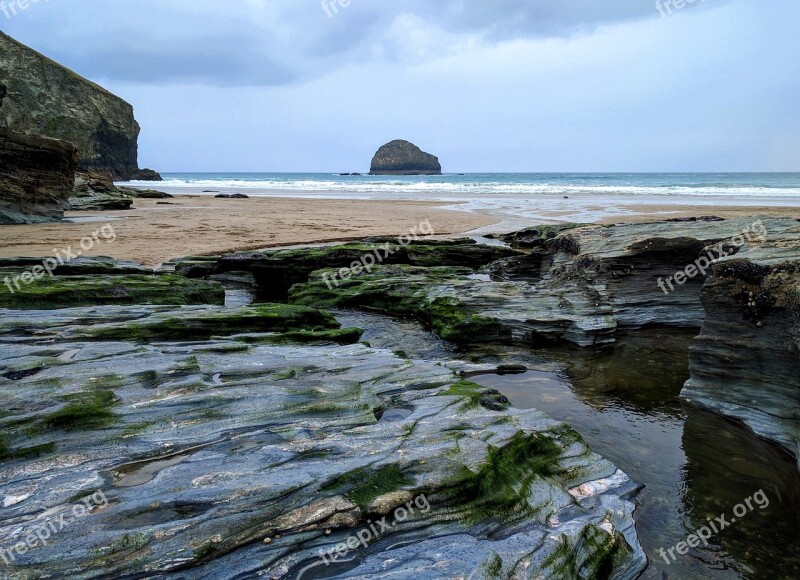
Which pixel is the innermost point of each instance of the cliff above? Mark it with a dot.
(403, 158)
(36, 176)
(40, 97)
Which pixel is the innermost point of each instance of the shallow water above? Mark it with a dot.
(694, 464)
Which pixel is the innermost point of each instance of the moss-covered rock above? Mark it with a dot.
(71, 291)
(202, 325)
(278, 270)
(404, 291)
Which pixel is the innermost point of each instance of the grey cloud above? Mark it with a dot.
(283, 41)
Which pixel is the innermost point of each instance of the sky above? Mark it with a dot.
(486, 85)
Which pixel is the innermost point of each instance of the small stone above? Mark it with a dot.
(268, 541)
(328, 532)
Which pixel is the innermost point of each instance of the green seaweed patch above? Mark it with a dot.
(604, 553)
(205, 325)
(85, 411)
(70, 291)
(471, 392)
(494, 567)
(403, 291)
(501, 486)
(365, 485)
(476, 395)
(206, 551)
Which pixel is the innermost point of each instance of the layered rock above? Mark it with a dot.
(582, 284)
(276, 271)
(745, 362)
(36, 177)
(94, 191)
(403, 158)
(41, 97)
(221, 454)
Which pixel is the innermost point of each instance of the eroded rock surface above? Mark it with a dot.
(36, 176)
(745, 362)
(228, 458)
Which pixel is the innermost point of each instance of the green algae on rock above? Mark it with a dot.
(276, 271)
(204, 324)
(404, 291)
(286, 438)
(70, 291)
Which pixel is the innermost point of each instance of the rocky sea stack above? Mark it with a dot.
(40, 97)
(403, 158)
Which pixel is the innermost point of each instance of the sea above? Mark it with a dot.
(518, 197)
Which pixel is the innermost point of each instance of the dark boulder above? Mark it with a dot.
(403, 158)
(144, 175)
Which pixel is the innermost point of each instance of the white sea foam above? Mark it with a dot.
(469, 189)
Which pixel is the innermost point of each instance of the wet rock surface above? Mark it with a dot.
(258, 439)
(583, 284)
(219, 457)
(744, 363)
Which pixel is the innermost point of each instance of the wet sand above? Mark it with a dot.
(155, 232)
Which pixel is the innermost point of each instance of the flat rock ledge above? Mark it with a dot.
(246, 441)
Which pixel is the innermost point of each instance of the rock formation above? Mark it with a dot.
(583, 284)
(41, 97)
(36, 177)
(244, 442)
(403, 158)
(744, 363)
(94, 191)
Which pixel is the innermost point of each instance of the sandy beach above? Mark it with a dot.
(154, 232)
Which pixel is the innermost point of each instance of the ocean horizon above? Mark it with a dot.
(769, 185)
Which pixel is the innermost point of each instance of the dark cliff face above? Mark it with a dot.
(36, 177)
(403, 158)
(40, 97)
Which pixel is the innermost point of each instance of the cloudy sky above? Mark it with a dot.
(487, 85)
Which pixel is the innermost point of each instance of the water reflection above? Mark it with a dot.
(625, 402)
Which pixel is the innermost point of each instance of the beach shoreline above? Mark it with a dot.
(156, 231)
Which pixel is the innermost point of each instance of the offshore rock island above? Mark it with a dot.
(400, 157)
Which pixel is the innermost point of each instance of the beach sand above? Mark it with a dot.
(153, 233)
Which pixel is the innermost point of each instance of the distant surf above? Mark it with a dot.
(494, 184)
